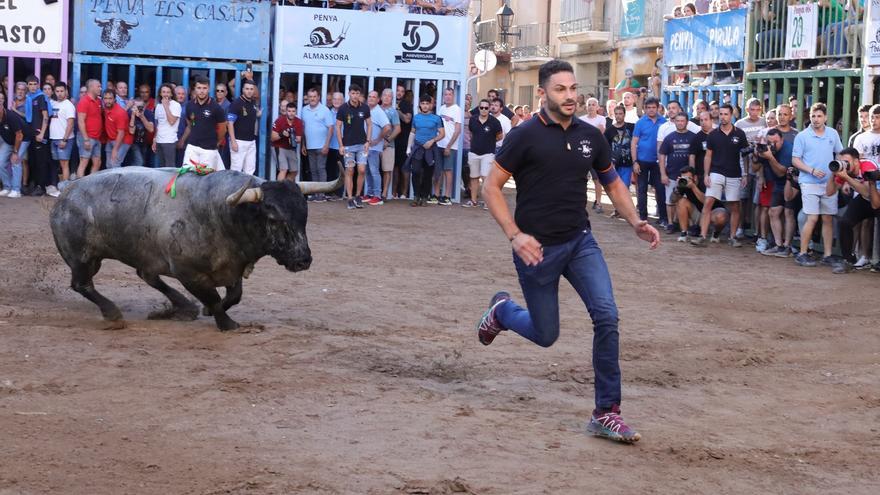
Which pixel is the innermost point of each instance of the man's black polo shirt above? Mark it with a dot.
(243, 115)
(10, 125)
(725, 151)
(203, 119)
(551, 166)
(484, 135)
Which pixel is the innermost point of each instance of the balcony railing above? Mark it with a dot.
(533, 43)
(835, 47)
(579, 16)
(487, 37)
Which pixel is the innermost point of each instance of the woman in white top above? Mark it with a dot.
(167, 114)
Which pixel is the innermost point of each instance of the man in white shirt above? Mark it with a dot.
(495, 108)
(592, 116)
(167, 115)
(60, 132)
(450, 113)
(632, 111)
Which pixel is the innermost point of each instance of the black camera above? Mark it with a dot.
(837, 165)
(873, 175)
(747, 151)
(792, 174)
(762, 147)
(683, 182)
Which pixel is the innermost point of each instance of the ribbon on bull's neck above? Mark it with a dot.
(194, 167)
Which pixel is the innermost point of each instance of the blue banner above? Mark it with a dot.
(213, 29)
(632, 18)
(705, 39)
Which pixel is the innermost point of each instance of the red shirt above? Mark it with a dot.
(115, 120)
(282, 125)
(94, 121)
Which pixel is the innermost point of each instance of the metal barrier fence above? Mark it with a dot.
(838, 40)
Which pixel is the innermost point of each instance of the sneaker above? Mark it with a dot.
(830, 260)
(320, 198)
(803, 259)
(784, 252)
(433, 200)
(14, 194)
(698, 242)
(875, 268)
(416, 202)
(53, 191)
(735, 243)
(862, 263)
(358, 202)
(739, 233)
(683, 237)
(761, 245)
(468, 204)
(37, 191)
(5, 192)
(488, 327)
(842, 267)
(715, 238)
(773, 251)
(445, 201)
(670, 228)
(611, 426)
(794, 251)
(727, 80)
(351, 204)
(840, 64)
(375, 201)
(600, 210)
(708, 81)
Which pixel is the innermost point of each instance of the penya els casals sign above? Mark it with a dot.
(31, 26)
(215, 29)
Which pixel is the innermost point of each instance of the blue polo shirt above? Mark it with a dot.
(646, 131)
(334, 139)
(816, 152)
(316, 124)
(380, 120)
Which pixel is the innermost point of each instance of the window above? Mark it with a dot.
(526, 96)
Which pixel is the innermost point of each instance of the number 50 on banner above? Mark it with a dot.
(802, 31)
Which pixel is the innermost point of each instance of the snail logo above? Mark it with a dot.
(321, 37)
(416, 47)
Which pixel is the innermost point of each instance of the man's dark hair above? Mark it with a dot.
(355, 88)
(689, 170)
(670, 102)
(425, 97)
(552, 67)
(874, 110)
(61, 84)
(110, 92)
(248, 82)
(728, 106)
(851, 152)
(819, 107)
(202, 80)
(774, 132)
(32, 78)
(499, 100)
(864, 108)
(652, 100)
(486, 100)
(492, 91)
(313, 90)
(170, 89)
(682, 114)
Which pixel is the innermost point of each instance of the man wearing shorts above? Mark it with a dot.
(91, 126)
(354, 125)
(814, 148)
(689, 202)
(724, 175)
(451, 115)
(61, 129)
(485, 130)
(206, 122)
(389, 153)
(550, 157)
(381, 129)
(286, 131)
(777, 160)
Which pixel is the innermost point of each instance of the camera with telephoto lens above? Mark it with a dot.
(762, 147)
(837, 165)
(873, 175)
(682, 185)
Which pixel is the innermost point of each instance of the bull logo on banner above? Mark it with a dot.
(415, 48)
(115, 33)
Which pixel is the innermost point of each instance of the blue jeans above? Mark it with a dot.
(580, 261)
(10, 174)
(373, 182)
(120, 155)
(650, 175)
(137, 156)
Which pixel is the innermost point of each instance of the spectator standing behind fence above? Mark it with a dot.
(424, 154)
(484, 131)
(333, 156)
(242, 121)
(287, 131)
(116, 133)
(495, 109)
(864, 124)
(91, 128)
(723, 172)
(644, 156)
(451, 115)
(775, 159)
(36, 114)
(183, 123)
(381, 129)
(141, 124)
(15, 135)
(206, 126)
(674, 156)
(400, 178)
(619, 136)
(61, 130)
(318, 125)
(388, 151)
(167, 115)
(753, 126)
(814, 149)
(221, 93)
(354, 125)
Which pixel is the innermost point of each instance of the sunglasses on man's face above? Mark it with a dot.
(484, 108)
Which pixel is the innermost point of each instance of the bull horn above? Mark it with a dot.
(131, 25)
(322, 187)
(245, 194)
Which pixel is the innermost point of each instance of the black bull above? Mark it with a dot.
(209, 236)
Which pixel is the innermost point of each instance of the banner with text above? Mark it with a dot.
(705, 39)
(371, 41)
(801, 31)
(632, 18)
(34, 26)
(214, 29)
(872, 44)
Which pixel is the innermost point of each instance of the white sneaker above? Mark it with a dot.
(682, 238)
(708, 81)
(5, 192)
(863, 262)
(14, 194)
(761, 245)
(739, 233)
(53, 191)
(714, 239)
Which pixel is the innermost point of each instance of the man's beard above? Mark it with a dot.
(552, 106)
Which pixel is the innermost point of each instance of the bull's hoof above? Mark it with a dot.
(175, 313)
(227, 325)
(114, 324)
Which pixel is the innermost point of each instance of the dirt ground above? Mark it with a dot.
(367, 377)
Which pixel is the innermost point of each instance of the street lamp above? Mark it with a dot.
(505, 22)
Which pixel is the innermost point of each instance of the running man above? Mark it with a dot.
(550, 158)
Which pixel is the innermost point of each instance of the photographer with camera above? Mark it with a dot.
(814, 149)
(724, 175)
(775, 157)
(689, 201)
(851, 172)
(674, 154)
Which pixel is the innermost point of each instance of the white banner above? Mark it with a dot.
(371, 41)
(801, 31)
(31, 26)
(872, 42)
